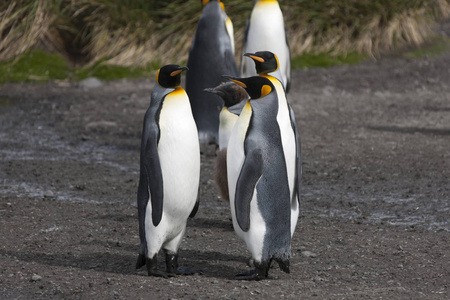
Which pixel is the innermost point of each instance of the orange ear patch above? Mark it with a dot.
(265, 90)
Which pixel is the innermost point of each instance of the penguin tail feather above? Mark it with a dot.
(140, 261)
(284, 264)
(283, 259)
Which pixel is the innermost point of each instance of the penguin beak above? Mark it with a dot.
(178, 71)
(214, 91)
(254, 57)
(235, 80)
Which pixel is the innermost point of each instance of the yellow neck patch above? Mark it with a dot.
(178, 90)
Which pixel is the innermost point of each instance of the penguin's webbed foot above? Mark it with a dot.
(260, 272)
(173, 268)
(152, 267)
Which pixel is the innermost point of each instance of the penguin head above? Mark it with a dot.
(169, 76)
(231, 93)
(265, 61)
(204, 2)
(256, 86)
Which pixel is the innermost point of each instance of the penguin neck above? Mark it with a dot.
(205, 2)
(273, 79)
(247, 107)
(177, 90)
(279, 90)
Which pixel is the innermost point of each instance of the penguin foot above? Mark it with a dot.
(152, 267)
(173, 268)
(260, 272)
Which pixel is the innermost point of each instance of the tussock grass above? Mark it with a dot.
(143, 33)
(367, 27)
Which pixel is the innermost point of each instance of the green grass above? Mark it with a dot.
(311, 60)
(434, 48)
(39, 66)
(35, 65)
(111, 72)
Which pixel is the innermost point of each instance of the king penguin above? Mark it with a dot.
(169, 173)
(265, 30)
(260, 176)
(233, 96)
(211, 55)
(267, 62)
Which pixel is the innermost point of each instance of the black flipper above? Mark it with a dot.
(250, 173)
(152, 168)
(149, 163)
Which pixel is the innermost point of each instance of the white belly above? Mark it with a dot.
(179, 155)
(253, 238)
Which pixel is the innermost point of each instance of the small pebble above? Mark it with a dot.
(308, 254)
(36, 277)
(49, 194)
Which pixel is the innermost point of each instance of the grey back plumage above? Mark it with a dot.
(210, 57)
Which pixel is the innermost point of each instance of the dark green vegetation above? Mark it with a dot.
(435, 47)
(37, 65)
(130, 38)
